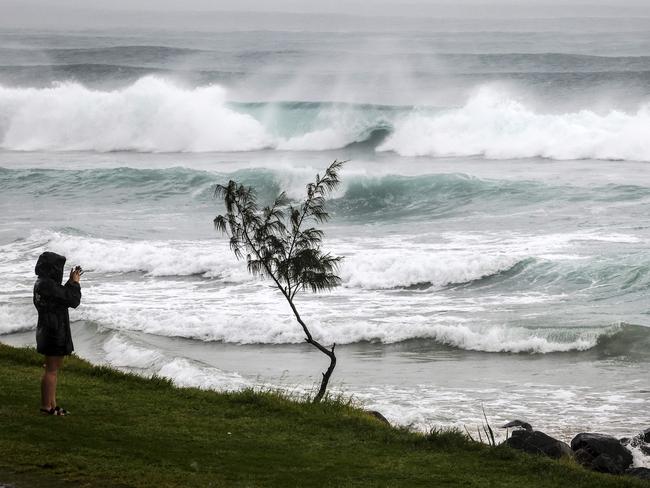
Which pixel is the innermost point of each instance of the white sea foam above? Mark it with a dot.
(381, 269)
(121, 354)
(640, 460)
(511, 339)
(369, 263)
(150, 115)
(257, 315)
(185, 373)
(16, 318)
(156, 258)
(399, 268)
(495, 125)
(140, 286)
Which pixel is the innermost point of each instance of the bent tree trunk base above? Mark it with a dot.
(309, 339)
(327, 374)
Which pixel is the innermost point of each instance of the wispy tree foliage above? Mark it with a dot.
(281, 242)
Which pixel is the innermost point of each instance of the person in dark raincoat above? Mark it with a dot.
(53, 338)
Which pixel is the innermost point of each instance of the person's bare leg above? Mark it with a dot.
(48, 382)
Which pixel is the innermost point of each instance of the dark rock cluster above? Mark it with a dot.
(598, 452)
(536, 442)
(602, 453)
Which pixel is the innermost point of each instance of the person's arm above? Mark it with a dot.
(69, 294)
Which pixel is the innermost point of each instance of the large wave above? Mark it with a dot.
(156, 115)
(494, 125)
(150, 115)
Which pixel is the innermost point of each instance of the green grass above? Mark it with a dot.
(131, 431)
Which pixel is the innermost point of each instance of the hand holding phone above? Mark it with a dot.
(75, 273)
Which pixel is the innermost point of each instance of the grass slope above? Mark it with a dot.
(130, 431)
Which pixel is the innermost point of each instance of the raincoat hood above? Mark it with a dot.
(50, 265)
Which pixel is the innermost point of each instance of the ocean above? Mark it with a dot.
(492, 217)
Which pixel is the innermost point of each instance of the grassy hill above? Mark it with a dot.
(128, 431)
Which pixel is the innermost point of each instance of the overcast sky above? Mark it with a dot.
(344, 6)
(414, 7)
(130, 13)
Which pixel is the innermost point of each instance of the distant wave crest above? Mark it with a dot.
(156, 115)
(496, 126)
(151, 115)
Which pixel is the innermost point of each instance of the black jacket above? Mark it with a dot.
(51, 299)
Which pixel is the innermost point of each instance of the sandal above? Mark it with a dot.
(54, 411)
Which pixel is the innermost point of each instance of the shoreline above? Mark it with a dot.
(410, 383)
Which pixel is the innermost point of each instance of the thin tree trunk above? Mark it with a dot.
(328, 352)
(326, 375)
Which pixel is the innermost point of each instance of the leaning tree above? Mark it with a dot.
(280, 242)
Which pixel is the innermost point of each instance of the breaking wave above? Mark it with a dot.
(155, 115)
(496, 126)
(384, 269)
(151, 115)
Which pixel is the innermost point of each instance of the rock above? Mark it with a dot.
(536, 442)
(646, 436)
(604, 463)
(582, 457)
(641, 473)
(378, 416)
(601, 453)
